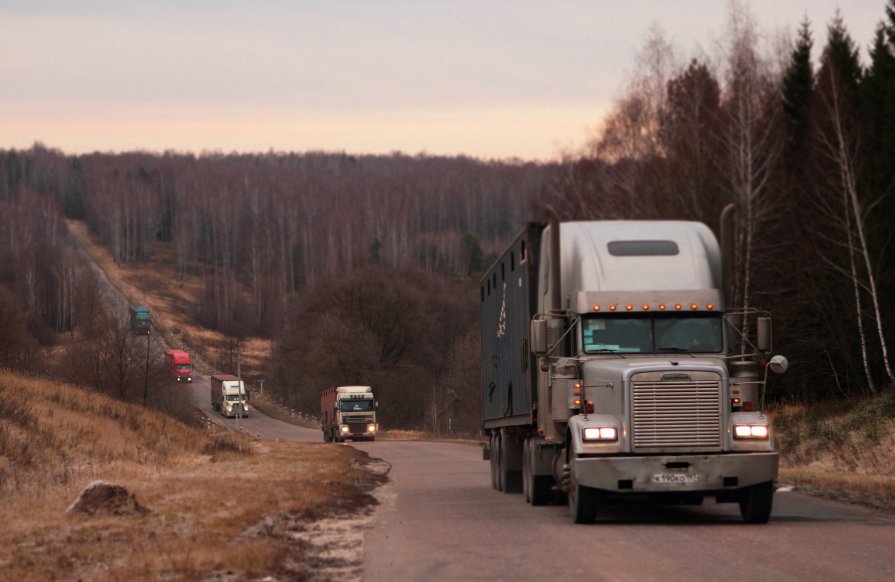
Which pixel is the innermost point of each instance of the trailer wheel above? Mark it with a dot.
(756, 502)
(583, 502)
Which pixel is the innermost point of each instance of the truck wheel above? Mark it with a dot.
(526, 471)
(510, 476)
(583, 502)
(756, 502)
(495, 462)
(535, 487)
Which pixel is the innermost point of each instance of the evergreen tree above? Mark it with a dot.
(797, 90)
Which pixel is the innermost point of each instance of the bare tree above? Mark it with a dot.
(841, 150)
(751, 144)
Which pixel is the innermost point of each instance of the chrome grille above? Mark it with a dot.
(676, 414)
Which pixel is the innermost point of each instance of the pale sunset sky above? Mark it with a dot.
(490, 79)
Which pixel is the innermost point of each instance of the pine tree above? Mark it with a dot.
(797, 90)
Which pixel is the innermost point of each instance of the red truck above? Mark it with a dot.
(178, 364)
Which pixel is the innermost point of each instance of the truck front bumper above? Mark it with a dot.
(676, 473)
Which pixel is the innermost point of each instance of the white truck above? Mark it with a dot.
(613, 369)
(348, 412)
(229, 396)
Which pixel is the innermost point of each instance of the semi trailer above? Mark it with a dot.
(348, 412)
(139, 320)
(178, 364)
(229, 396)
(615, 369)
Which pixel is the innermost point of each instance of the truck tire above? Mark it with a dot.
(756, 502)
(510, 471)
(495, 462)
(583, 502)
(535, 487)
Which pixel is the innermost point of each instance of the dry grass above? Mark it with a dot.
(218, 503)
(172, 304)
(844, 450)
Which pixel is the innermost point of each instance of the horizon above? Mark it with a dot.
(500, 82)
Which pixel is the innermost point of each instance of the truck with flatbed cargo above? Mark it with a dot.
(615, 369)
(348, 412)
(229, 396)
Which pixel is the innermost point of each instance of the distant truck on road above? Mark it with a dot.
(348, 412)
(614, 368)
(139, 320)
(178, 364)
(229, 396)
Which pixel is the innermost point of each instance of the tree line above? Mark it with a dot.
(364, 269)
(805, 151)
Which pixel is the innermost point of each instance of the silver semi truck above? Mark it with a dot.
(613, 369)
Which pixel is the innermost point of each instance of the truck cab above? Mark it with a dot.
(178, 364)
(229, 396)
(641, 382)
(348, 412)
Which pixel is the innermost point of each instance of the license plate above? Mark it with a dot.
(676, 478)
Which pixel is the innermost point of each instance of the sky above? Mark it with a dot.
(494, 79)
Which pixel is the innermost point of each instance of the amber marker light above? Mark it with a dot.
(709, 306)
(693, 306)
(661, 307)
(612, 308)
(645, 307)
(677, 306)
(596, 308)
(629, 307)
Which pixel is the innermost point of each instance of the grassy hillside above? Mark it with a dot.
(217, 502)
(172, 304)
(841, 449)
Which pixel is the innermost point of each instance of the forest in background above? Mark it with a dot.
(365, 268)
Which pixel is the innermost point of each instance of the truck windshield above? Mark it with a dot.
(356, 405)
(652, 334)
(183, 366)
(234, 397)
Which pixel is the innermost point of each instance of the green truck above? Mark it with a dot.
(140, 320)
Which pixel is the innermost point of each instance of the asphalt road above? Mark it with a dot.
(440, 520)
(257, 424)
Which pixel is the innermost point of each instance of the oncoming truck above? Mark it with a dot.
(348, 412)
(178, 364)
(229, 396)
(139, 320)
(613, 368)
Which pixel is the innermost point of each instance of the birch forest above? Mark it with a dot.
(366, 266)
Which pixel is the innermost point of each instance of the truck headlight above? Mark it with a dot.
(343, 427)
(599, 433)
(751, 431)
(371, 428)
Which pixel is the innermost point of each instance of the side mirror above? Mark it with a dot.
(763, 341)
(778, 364)
(538, 336)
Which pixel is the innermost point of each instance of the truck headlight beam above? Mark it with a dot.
(751, 431)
